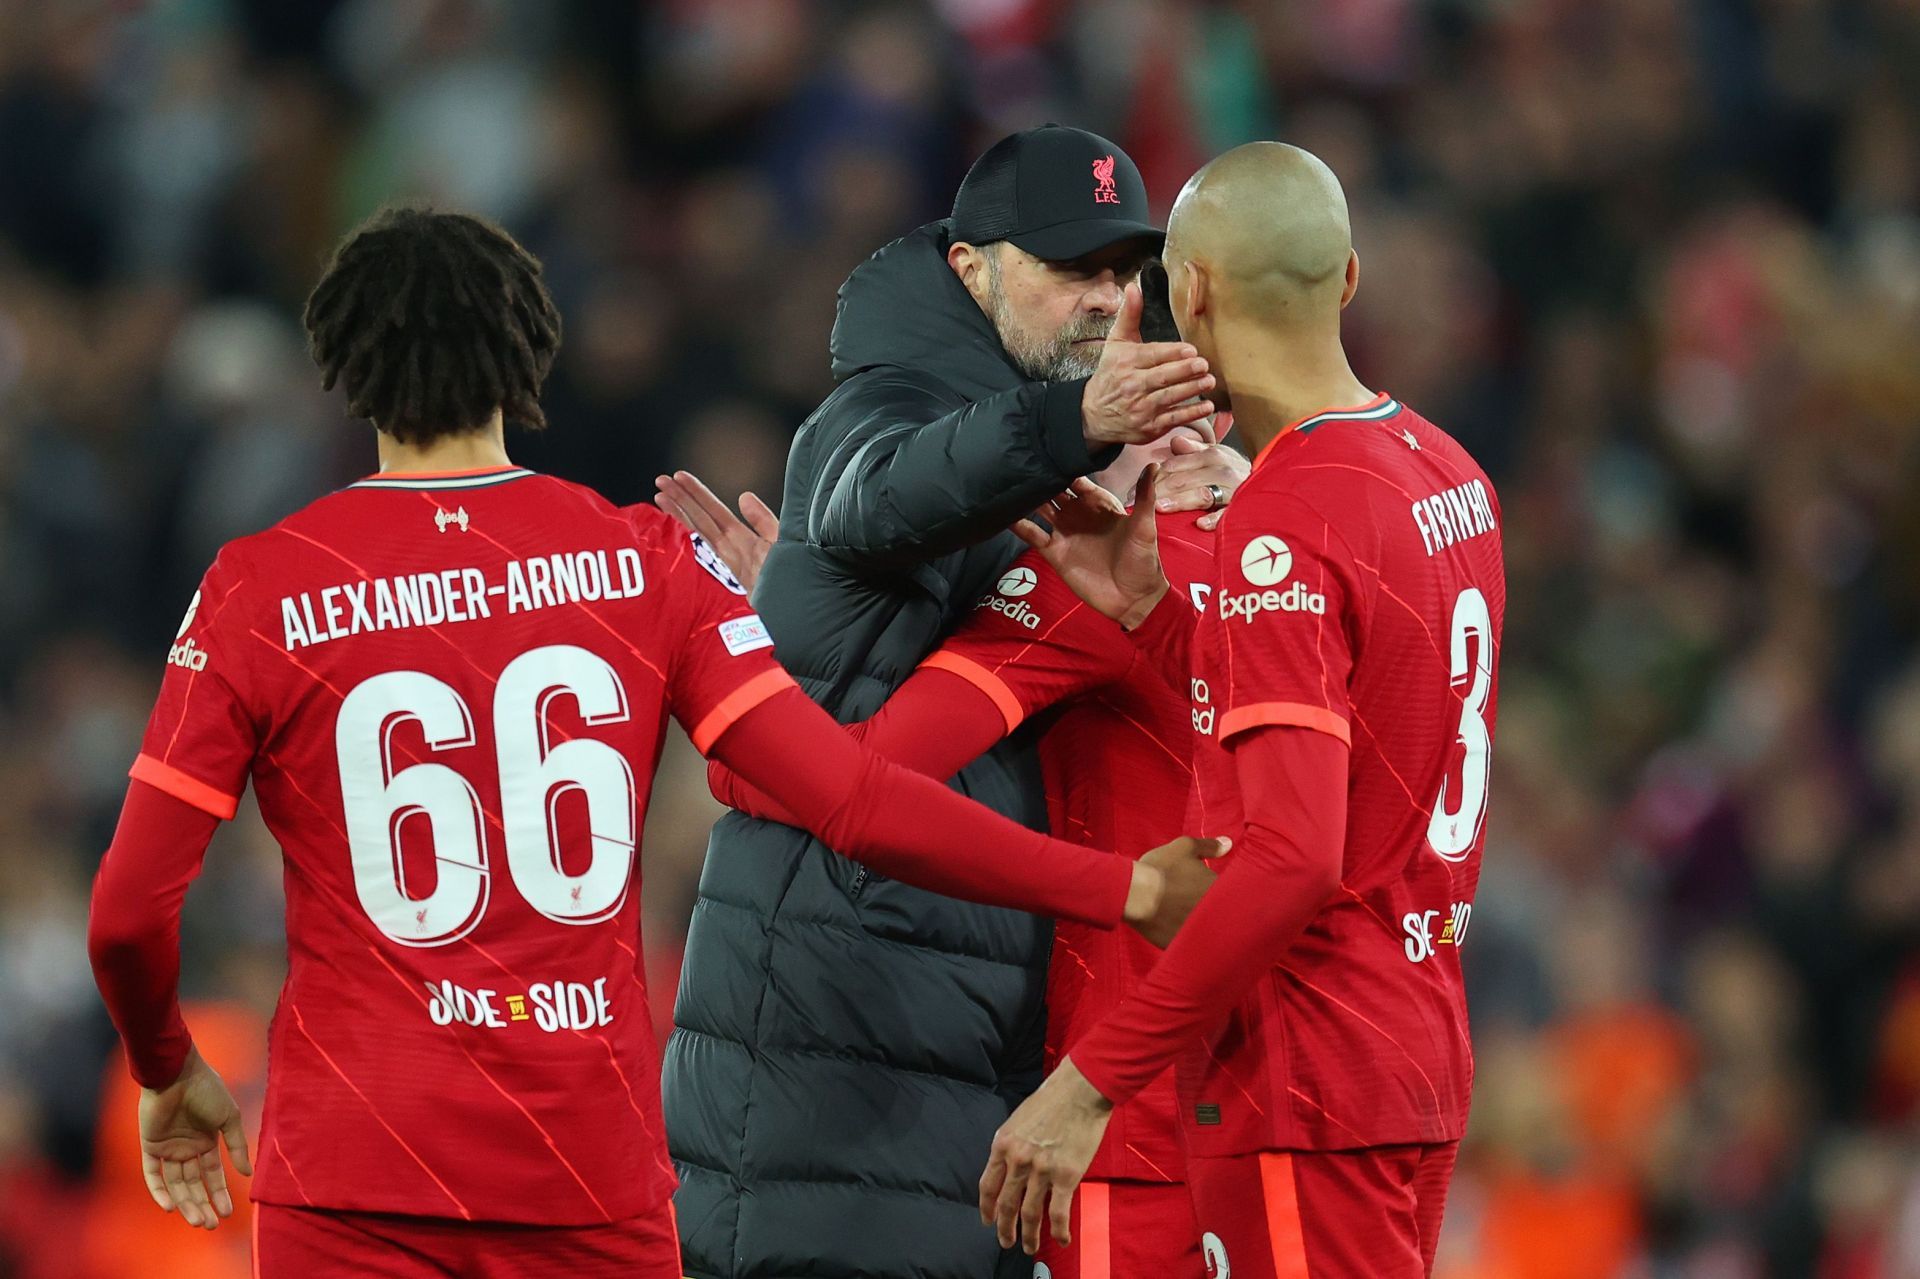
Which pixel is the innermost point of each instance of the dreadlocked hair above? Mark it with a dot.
(431, 321)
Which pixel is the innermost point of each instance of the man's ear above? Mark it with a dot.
(1199, 289)
(1353, 278)
(969, 262)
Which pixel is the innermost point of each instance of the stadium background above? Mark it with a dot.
(1656, 262)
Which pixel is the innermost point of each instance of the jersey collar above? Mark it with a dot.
(1378, 409)
(479, 477)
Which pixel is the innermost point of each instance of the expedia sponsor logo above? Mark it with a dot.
(188, 655)
(1295, 599)
(1018, 580)
(1266, 561)
(1017, 610)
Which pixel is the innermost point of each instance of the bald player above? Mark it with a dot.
(1343, 667)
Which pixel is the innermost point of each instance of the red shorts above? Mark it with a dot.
(1126, 1230)
(306, 1243)
(1309, 1214)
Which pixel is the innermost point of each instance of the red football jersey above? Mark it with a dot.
(450, 693)
(1115, 754)
(1359, 591)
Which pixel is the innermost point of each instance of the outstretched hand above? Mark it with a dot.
(742, 541)
(1108, 555)
(182, 1127)
(1039, 1157)
(1142, 390)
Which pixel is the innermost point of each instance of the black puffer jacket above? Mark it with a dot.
(847, 1045)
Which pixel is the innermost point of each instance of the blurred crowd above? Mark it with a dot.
(1657, 262)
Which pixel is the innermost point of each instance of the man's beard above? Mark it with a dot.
(1051, 359)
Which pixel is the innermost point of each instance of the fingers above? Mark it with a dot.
(1201, 439)
(190, 1172)
(1033, 1207)
(1126, 325)
(677, 500)
(174, 1174)
(693, 504)
(1175, 371)
(1086, 490)
(1006, 1208)
(1061, 1213)
(707, 500)
(1191, 491)
(709, 514)
(1205, 849)
(760, 517)
(1178, 415)
(234, 1133)
(1032, 534)
(1213, 462)
(1210, 521)
(214, 1174)
(666, 501)
(156, 1184)
(1178, 393)
(1147, 488)
(1144, 356)
(991, 1181)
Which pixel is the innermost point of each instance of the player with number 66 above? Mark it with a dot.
(449, 684)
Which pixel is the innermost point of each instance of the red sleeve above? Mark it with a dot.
(1282, 871)
(912, 828)
(133, 928)
(201, 738)
(1165, 638)
(1028, 645)
(723, 665)
(1032, 643)
(935, 724)
(1290, 608)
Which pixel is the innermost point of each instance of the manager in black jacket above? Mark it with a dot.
(846, 1045)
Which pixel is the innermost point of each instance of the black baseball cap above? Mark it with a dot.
(1058, 193)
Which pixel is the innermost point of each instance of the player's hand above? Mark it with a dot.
(1184, 878)
(1142, 390)
(1201, 476)
(1110, 557)
(742, 541)
(181, 1129)
(1039, 1156)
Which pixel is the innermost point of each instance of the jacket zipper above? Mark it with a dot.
(859, 880)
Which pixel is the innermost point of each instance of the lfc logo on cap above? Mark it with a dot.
(1103, 192)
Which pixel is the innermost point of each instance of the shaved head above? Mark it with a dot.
(1266, 224)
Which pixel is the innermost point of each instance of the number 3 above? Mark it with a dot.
(533, 775)
(1453, 833)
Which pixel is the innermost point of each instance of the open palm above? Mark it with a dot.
(1109, 556)
(181, 1128)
